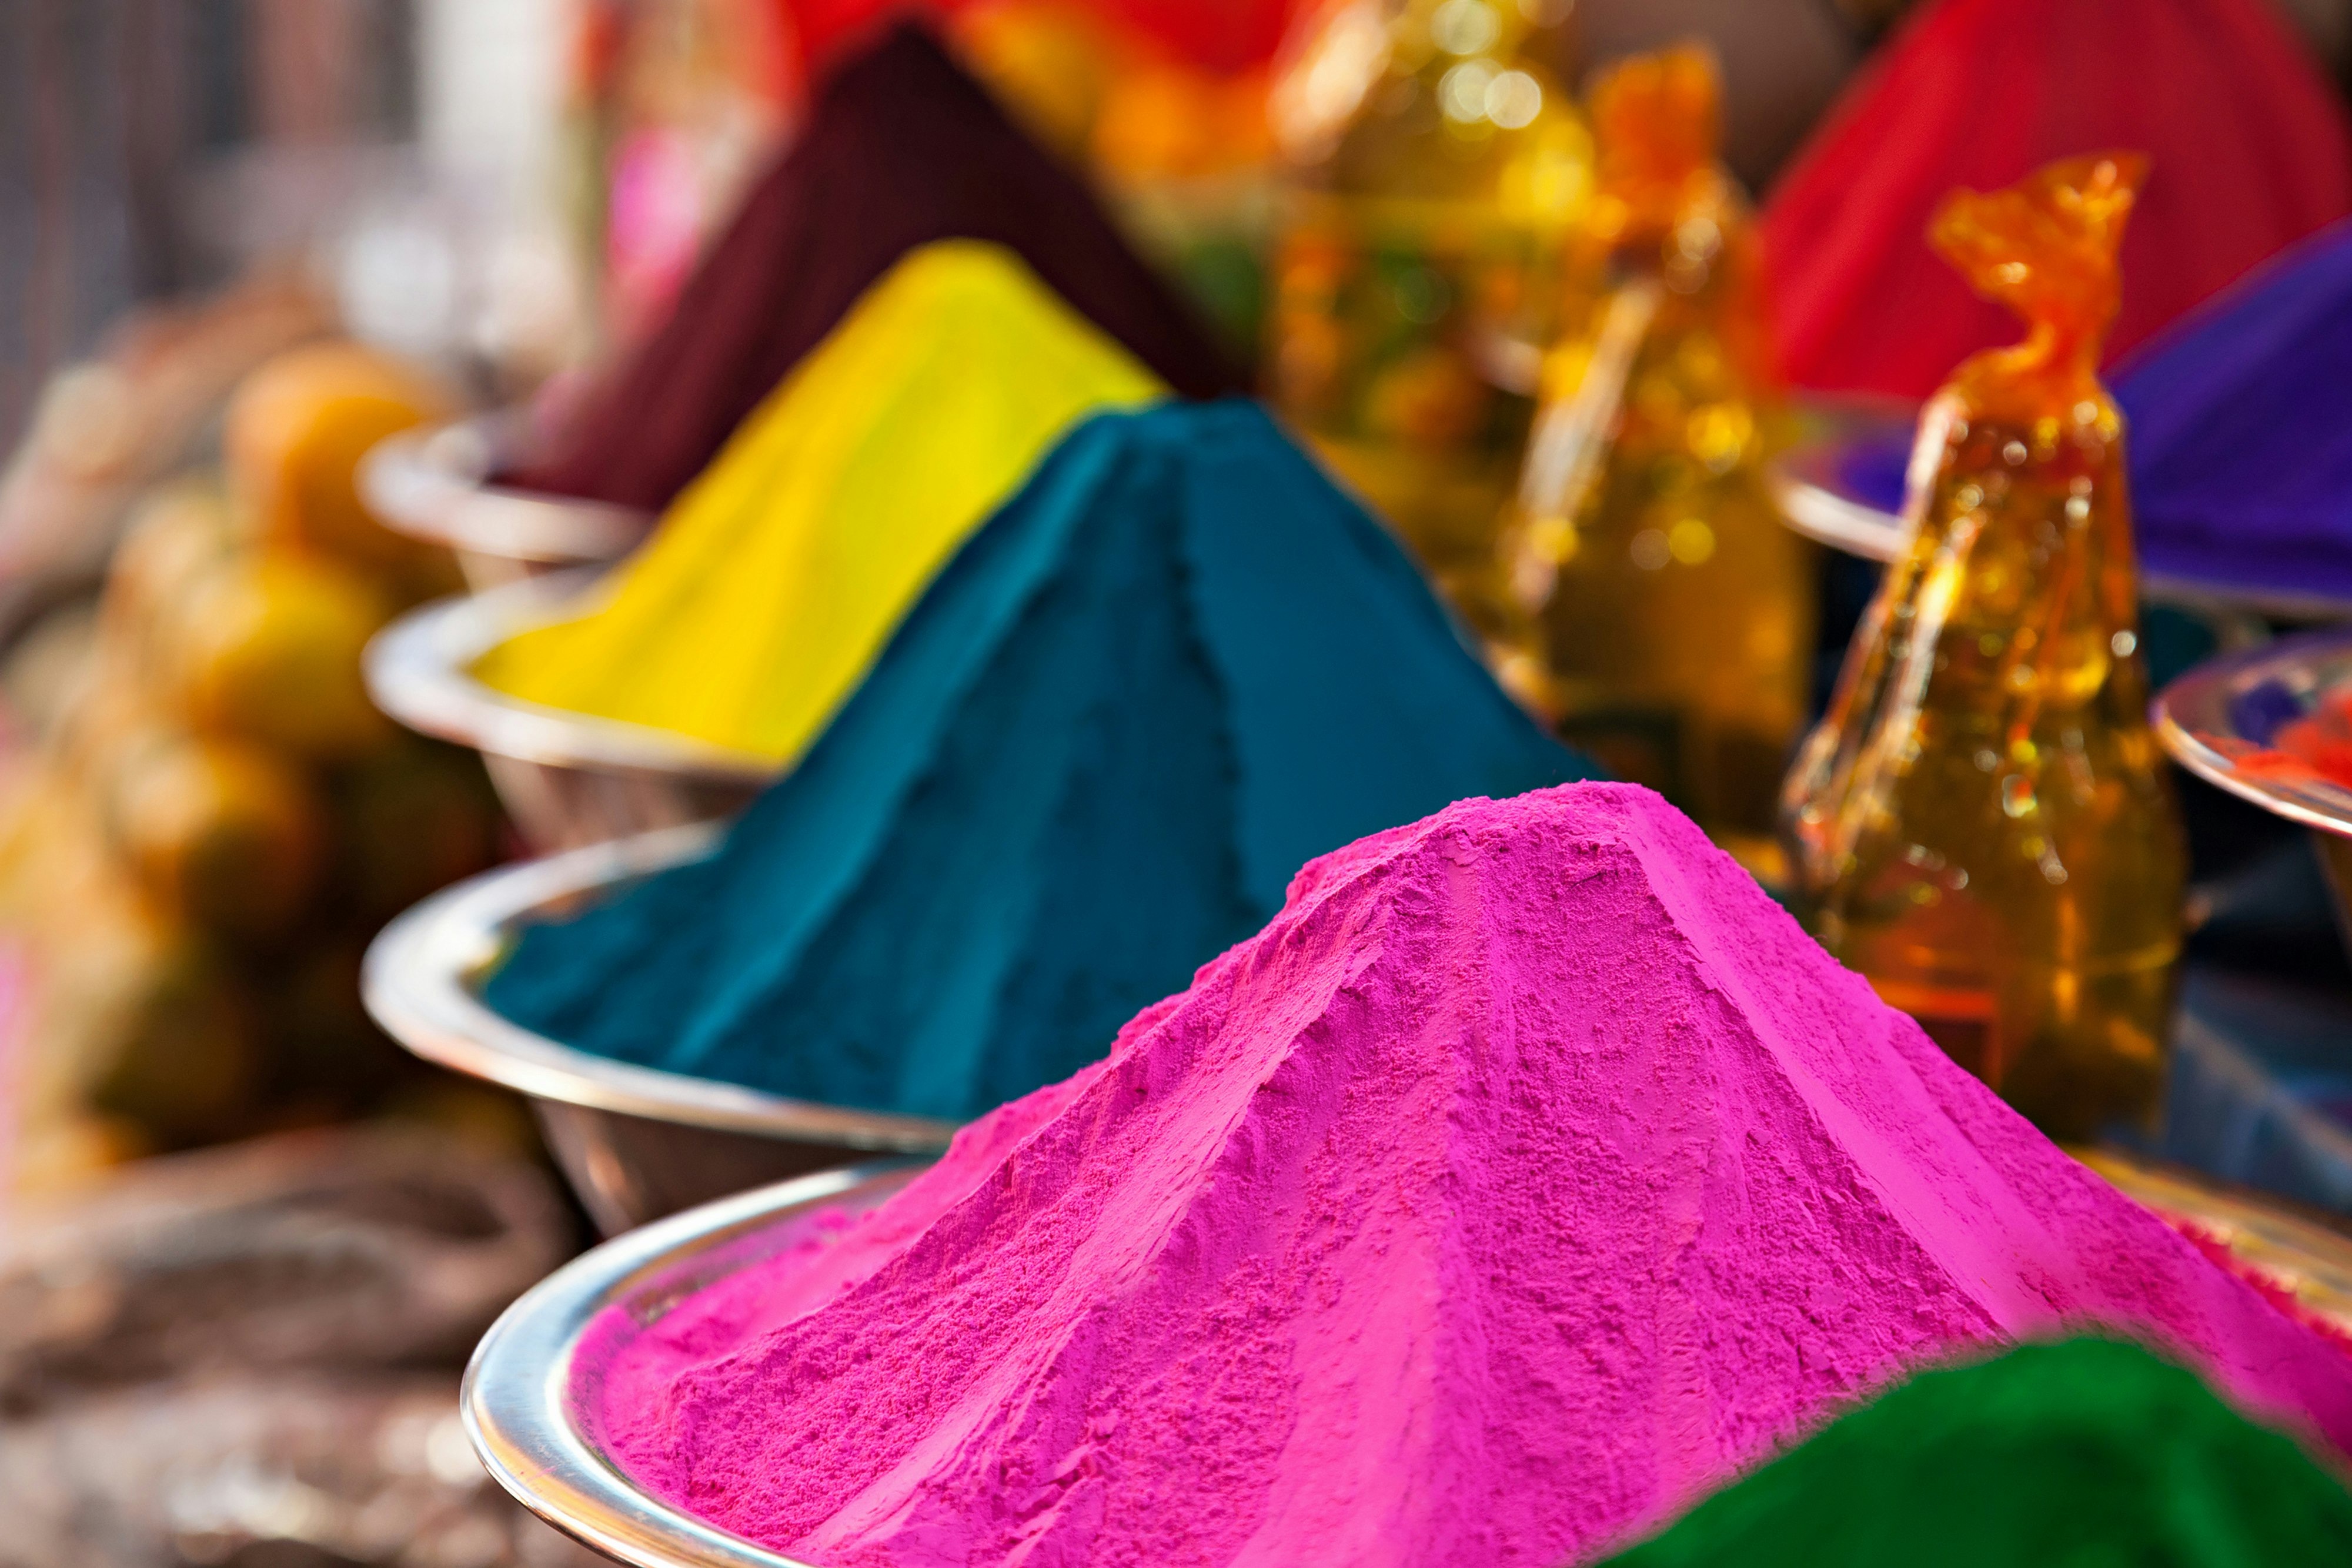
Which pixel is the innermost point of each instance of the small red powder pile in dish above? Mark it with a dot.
(1528, 1176)
(2320, 742)
(2250, 150)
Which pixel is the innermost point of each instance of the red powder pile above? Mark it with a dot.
(2250, 152)
(901, 148)
(1528, 1176)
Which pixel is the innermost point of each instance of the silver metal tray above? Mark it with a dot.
(2219, 722)
(434, 484)
(567, 778)
(519, 1401)
(636, 1144)
(532, 1433)
(1807, 483)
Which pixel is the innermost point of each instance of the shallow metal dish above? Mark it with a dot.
(2219, 722)
(434, 484)
(1811, 483)
(636, 1144)
(519, 1405)
(1808, 482)
(567, 778)
(533, 1435)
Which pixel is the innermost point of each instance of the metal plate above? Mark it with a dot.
(2220, 719)
(1814, 484)
(531, 1433)
(434, 484)
(519, 1402)
(568, 778)
(637, 1142)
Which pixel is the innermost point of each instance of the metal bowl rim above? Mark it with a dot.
(1823, 513)
(516, 1403)
(416, 984)
(2208, 685)
(419, 670)
(433, 482)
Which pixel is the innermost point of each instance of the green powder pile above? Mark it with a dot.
(2085, 1454)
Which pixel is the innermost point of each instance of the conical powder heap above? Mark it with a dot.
(1177, 666)
(901, 147)
(769, 586)
(2240, 419)
(2250, 146)
(1530, 1176)
(2054, 1456)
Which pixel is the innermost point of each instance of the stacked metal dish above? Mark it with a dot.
(438, 484)
(534, 1435)
(542, 1444)
(2220, 721)
(567, 778)
(1842, 482)
(636, 1143)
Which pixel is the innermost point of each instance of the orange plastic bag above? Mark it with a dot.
(1981, 823)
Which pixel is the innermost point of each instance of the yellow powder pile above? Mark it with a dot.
(777, 575)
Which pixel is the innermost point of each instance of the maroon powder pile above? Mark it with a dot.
(900, 149)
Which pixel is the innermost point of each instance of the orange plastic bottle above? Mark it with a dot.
(1433, 168)
(1981, 824)
(1670, 612)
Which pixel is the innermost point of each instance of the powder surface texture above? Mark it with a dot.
(1176, 666)
(2249, 144)
(1527, 1178)
(2052, 1455)
(900, 147)
(771, 584)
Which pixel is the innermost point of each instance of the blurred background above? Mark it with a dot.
(245, 1240)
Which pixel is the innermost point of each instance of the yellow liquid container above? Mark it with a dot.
(1981, 824)
(1433, 169)
(1668, 613)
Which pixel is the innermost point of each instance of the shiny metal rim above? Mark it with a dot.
(1822, 514)
(517, 1402)
(2197, 705)
(419, 670)
(525, 1425)
(433, 484)
(419, 982)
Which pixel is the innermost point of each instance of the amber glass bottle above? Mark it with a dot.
(1433, 168)
(1981, 824)
(1670, 611)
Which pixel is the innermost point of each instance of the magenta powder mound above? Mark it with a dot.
(1530, 1175)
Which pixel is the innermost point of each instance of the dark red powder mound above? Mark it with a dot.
(1213, 35)
(2250, 149)
(901, 148)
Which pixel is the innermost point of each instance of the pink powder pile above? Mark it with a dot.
(1530, 1175)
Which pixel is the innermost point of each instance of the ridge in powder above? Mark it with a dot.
(900, 147)
(1530, 1176)
(769, 586)
(1175, 666)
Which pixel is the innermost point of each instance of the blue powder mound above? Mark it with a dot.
(1177, 666)
(2239, 433)
(2242, 431)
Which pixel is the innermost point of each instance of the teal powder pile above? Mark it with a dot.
(2085, 1454)
(1175, 666)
